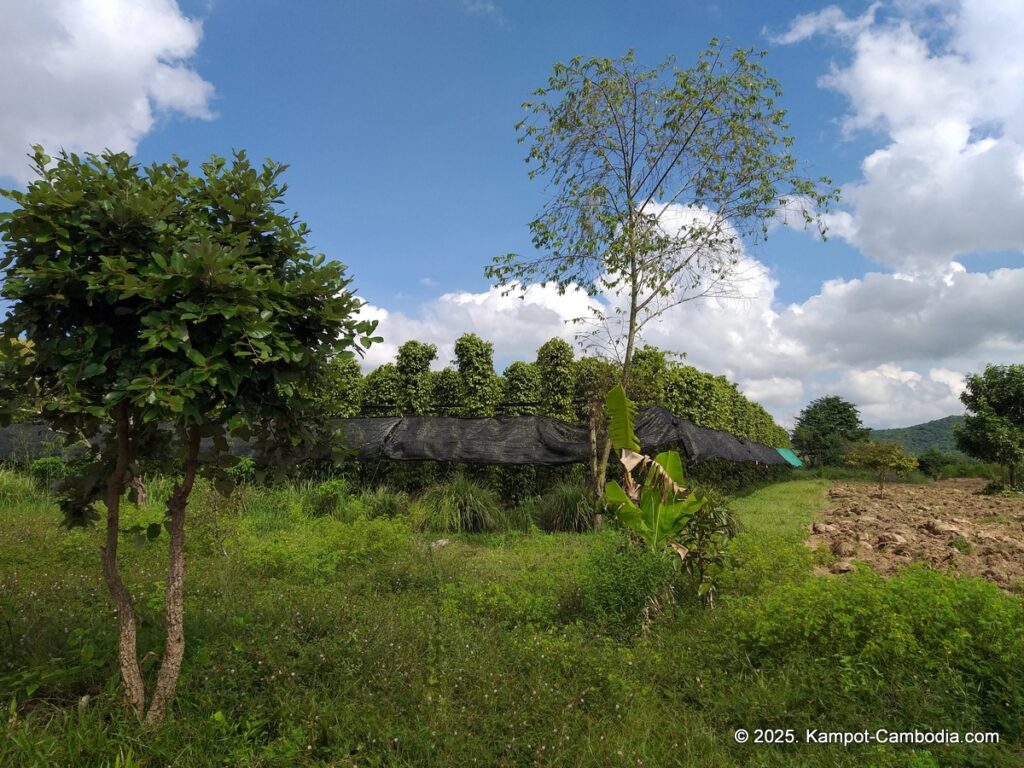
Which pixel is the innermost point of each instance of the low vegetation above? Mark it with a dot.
(348, 638)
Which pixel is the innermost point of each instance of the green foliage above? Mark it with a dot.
(658, 510)
(937, 435)
(459, 505)
(315, 553)
(595, 377)
(565, 507)
(512, 628)
(169, 297)
(646, 385)
(884, 459)
(993, 430)
(243, 471)
(446, 392)
(384, 502)
(621, 417)
(959, 634)
(520, 394)
(622, 583)
(329, 498)
(479, 388)
(557, 379)
(825, 429)
(706, 538)
(341, 394)
(937, 464)
(413, 364)
(382, 391)
(47, 469)
(614, 139)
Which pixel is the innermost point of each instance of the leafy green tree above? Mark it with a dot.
(647, 382)
(555, 366)
(446, 392)
(520, 393)
(341, 393)
(884, 459)
(19, 401)
(594, 378)
(413, 363)
(933, 460)
(825, 429)
(479, 387)
(158, 296)
(625, 149)
(382, 391)
(993, 429)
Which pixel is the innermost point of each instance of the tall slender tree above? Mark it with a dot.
(659, 175)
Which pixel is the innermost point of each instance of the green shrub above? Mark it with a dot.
(328, 497)
(315, 551)
(460, 505)
(47, 469)
(565, 507)
(707, 538)
(918, 630)
(383, 502)
(243, 471)
(622, 583)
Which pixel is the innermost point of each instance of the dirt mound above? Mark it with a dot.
(947, 524)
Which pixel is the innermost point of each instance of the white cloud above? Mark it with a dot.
(516, 326)
(944, 81)
(88, 75)
(830, 19)
(897, 346)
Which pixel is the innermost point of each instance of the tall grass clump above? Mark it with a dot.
(460, 505)
(565, 507)
(384, 502)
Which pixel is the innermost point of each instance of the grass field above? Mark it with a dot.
(316, 641)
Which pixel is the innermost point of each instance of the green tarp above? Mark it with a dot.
(790, 457)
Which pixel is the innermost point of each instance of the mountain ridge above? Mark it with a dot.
(918, 438)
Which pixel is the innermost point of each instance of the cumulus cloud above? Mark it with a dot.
(942, 80)
(516, 323)
(896, 345)
(93, 74)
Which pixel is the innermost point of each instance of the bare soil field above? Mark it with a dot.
(947, 524)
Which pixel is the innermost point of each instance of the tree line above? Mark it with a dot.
(555, 384)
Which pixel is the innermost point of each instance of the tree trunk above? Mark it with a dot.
(174, 604)
(136, 490)
(127, 649)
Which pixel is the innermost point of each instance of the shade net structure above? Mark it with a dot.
(505, 440)
(499, 440)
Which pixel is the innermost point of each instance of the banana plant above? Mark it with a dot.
(658, 508)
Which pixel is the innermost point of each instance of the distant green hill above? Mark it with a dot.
(920, 437)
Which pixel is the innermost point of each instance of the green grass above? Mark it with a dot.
(339, 640)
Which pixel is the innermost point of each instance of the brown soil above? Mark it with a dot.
(947, 524)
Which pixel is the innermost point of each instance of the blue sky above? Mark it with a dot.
(396, 119)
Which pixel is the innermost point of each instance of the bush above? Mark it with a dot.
(383, 502)
(47, 469)
(921, 631)
(315, 551)
(460, 505)
(328, 497)
(566, 507)
(707, 538)
(622, 584)
(243, 471)
(734, 477)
